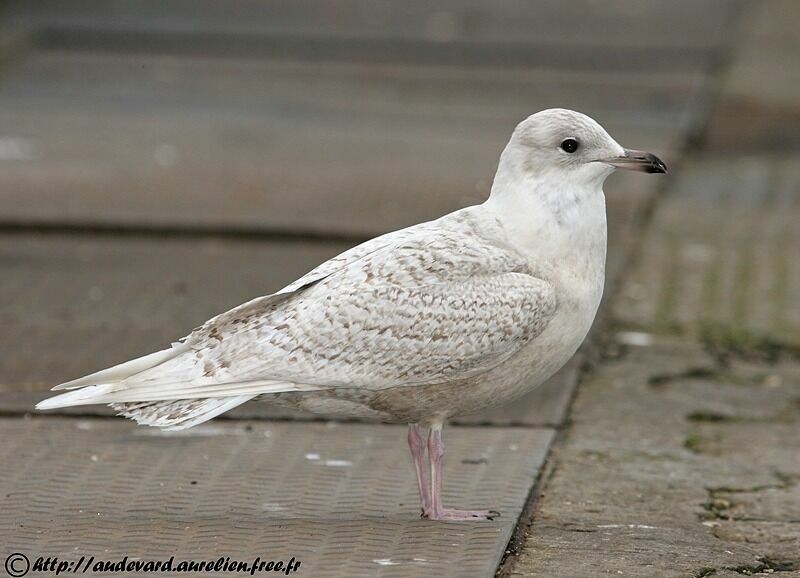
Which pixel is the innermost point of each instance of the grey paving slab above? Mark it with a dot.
(758, 109)
(335, 149)
(673, 465)
(723, 252)
(82, 302)
(341, 498)
(270, 86)
(680, 24)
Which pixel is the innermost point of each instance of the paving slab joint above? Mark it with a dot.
(765, 565)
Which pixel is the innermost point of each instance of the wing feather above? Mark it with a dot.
(441, 304)
(433, 303)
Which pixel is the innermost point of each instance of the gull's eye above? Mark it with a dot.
(570, 145)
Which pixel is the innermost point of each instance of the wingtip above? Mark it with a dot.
(84, 396)
(48, 403)
(125, 370)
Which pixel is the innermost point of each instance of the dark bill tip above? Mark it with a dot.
(639, 161)
(653, 164)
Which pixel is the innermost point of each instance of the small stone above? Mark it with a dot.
(634, 338)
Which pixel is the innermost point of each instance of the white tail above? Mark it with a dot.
(121, 392)
(154, 390)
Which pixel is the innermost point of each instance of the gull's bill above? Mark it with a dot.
(634, 160)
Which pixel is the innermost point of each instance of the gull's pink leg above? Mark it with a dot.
(436, 510)
(416, 443)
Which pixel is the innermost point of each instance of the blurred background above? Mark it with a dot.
(162, 161)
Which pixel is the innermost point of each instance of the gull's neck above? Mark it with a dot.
(554, 221)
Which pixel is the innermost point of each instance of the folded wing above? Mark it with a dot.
(430, 304)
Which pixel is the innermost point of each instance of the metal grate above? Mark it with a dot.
(339, 497)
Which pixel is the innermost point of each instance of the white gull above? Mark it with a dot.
(415, 326)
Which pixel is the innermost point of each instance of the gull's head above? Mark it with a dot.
(571, 147)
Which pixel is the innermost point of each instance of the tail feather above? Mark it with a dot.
(117, 393)
(127, 369)
(179, 414)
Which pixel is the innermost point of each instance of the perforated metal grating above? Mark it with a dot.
(341, 498)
